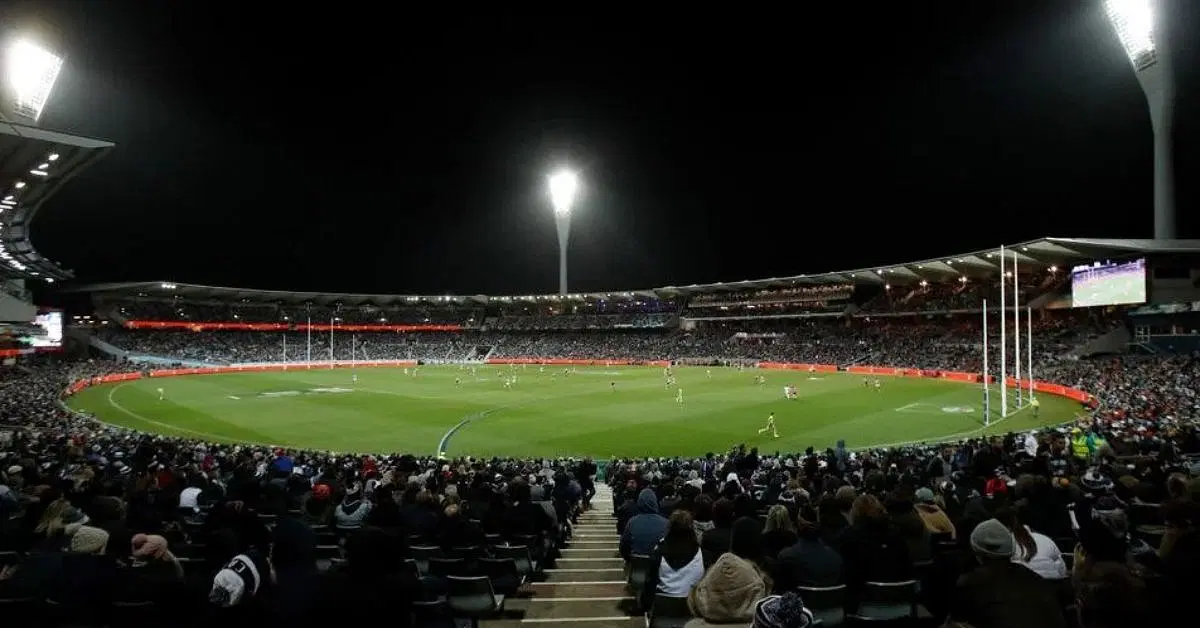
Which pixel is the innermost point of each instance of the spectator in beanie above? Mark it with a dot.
(1000, 593)
(782, 611)
(935, 519)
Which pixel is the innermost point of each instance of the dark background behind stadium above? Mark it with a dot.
(305, 149)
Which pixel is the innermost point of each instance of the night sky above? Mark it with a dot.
(355, 147)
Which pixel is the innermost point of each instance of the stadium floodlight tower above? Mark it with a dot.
(564, 185)
(30, 71)
(1141, 29)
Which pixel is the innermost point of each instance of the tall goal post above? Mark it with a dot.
(1003, 379)
(1016, 288)
(1029, 350)
(987, 392)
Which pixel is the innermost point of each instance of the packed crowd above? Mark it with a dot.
(1026, 531)
(553, 313)
(113, 525)
(965, 294)
(244, 311)
(559, 322)
(1092, 525)
(946, 344)
(105, 526)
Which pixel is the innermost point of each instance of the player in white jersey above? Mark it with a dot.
(161, 394)
(458, 381)
(770, 426)
(877, 383)
(679, 396)
(708, 373)
(508, 383)
(354, 378)
(789, 392)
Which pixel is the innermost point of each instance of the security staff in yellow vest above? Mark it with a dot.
(1079, 445)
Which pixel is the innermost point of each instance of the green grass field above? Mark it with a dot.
(551, 414)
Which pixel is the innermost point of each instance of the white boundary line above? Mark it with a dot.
(120, 408)
(950, 437)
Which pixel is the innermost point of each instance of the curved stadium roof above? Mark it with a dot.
(1041, 253)
(34, 164)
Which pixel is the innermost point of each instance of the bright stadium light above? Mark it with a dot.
(1139, 28)
(564, 186)
(30, 72)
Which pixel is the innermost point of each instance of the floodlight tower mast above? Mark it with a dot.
(1142, 31)
(27, 76)
(563, 187)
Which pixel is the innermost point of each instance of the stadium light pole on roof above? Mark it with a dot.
(1142, 31)
(564, 185)
(30, 71)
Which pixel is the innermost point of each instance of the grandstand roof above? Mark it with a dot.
(1032, 255)
(34, 163)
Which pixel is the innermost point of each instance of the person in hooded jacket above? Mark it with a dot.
(677, 563)
(932, 515)
(353, 510)
(645, 529)
(627, 509)
(727, 593)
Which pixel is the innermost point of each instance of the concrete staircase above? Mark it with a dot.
(586, 585)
